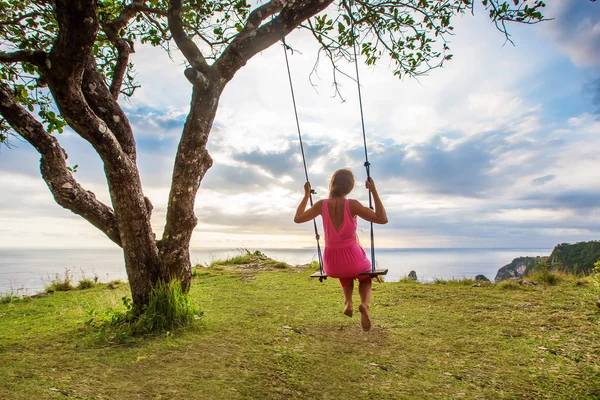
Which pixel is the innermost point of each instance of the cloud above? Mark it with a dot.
(585, 124)
(235, 179)
(576, 30)
(593, 90)
(542, 180)
(442, 166)
(578, 200)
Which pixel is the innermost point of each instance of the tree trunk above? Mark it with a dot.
(191, 163)
(137, 239)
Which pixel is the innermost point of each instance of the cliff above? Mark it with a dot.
(517, 268)
(577, 258)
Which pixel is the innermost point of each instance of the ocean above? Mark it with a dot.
(28, 271)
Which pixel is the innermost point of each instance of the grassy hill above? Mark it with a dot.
(280, 335)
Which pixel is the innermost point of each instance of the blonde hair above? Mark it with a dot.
(342, 183)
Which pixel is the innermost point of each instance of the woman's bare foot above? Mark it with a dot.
(348, 310)
(365, 319)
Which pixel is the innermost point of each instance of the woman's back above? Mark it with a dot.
(343, 257)
(336, 209)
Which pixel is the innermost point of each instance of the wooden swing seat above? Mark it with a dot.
(372, 274)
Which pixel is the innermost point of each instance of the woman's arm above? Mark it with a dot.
(378, 216)
(311, 213)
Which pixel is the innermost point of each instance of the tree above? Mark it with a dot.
(72, 56)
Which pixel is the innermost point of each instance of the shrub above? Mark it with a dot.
(61, 284)
(85, 284)
(541, 273)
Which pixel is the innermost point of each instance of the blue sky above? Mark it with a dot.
(500, 148)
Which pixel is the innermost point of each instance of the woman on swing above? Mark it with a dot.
(344, 258)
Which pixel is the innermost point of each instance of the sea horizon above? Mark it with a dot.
(28, 270)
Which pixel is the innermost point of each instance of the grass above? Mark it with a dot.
(282, 335)
(251, 259)
(407, 279)
(61, 284)
(7, 298)
(245, 257)
(86, 284)
(461, 282)
(509, 284)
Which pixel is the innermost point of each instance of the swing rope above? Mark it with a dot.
(362, 121)
(367, 165)
(312, 191)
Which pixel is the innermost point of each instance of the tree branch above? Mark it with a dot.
(66, 190)
(124, 49)
(129, 11)
(154, 11)
(255, 37)
(69, 57)
(123, 46)
(17, 21)
(105, 106)
(36, 57)
(186, 45)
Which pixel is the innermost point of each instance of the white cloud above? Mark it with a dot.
(575, 29)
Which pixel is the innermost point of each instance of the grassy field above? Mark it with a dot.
(281, 335)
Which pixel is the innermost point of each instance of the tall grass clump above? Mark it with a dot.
(169, 308)
(596, 281)
(541, 273)
(86, 283)
(61, 284)
(509, 284)
(7, 298)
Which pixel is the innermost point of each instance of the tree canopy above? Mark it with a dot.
(413, 33)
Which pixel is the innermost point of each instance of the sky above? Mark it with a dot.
(498, 149)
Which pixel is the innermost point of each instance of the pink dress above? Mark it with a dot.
(343, 257)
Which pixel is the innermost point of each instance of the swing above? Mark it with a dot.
(321, 275)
